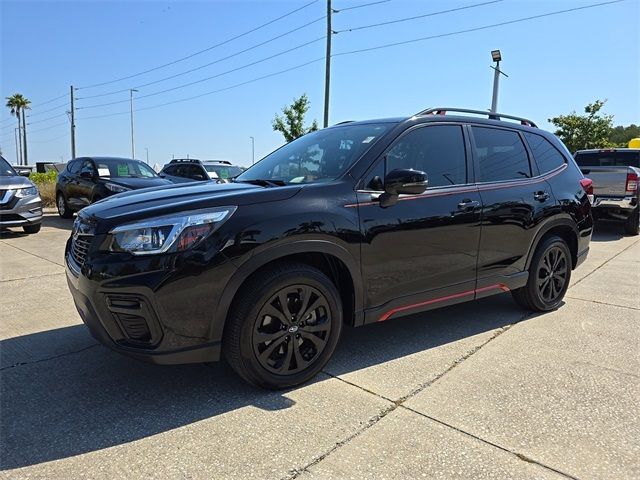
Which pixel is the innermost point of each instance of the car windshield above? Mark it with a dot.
(222, 171)
(5, 169)
(320, 156)
(116, 167)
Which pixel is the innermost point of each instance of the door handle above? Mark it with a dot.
(467, 204)
(541, 196)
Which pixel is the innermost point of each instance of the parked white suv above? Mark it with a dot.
(20, 202)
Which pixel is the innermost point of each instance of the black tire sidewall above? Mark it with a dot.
(535, 296)
(632, 225)
(310, 277)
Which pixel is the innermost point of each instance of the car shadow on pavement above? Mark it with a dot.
(50, 221)
(604, 231)
(80, 397)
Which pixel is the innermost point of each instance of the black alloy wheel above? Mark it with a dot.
(283, 326)
(292, 329)
(549, 276)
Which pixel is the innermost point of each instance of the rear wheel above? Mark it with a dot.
(549, 276)
(32, 228)
(63, 209)
(283, 327)
(632, 224)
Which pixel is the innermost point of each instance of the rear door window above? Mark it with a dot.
(544, 153)
(501, 155)
(74, 166)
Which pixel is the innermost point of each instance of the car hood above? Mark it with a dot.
(135, 183)
(16, 181)
(142, 204)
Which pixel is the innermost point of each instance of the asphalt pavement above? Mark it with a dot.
(479, 390)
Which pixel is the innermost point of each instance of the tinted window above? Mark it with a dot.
(608, 159)
(5, 169)
(74, 166)
(437, 150)
(171, 170)
(320, 156)
(501, 155)
(195, 172)
(544, 153)
(87, 167)
(222, 171)
(122, 167)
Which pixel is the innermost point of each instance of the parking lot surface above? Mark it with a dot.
(480, 390)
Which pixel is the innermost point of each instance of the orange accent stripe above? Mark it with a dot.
(393, 311)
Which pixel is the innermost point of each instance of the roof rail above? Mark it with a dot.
(490, 115)
(225, 162)
(343, 122)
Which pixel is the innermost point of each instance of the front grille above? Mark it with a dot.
(10, 217)
(80, 247)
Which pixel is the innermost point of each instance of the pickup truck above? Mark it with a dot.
(614, 172)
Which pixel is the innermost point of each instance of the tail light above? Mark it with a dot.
(587, 186)
(632, 182)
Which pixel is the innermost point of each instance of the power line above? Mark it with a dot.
(459, 32)
(201, 51)
(359, 6)
(49, 127)
(49, 101)
(48, 118)
(211, 92)
(51, 139)
(416, 17)
(475, 29)
(207, 64)
(48, 110)
(297, 47)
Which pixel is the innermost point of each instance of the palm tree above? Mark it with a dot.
(17, 104)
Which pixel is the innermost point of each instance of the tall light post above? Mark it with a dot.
(133, 143)
(18, 150)
(253, 150)
(146, 149)
(496, 56)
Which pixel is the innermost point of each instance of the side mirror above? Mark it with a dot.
(24, 173)
(199, 177)
(87, 175)
(402, 181)
(162, 175)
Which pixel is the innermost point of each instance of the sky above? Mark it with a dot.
(554, 64)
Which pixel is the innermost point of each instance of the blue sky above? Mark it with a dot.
(555, 64)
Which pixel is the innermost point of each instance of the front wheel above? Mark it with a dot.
(549, 276)
(283, 327)
(632, 225)
(63, 209)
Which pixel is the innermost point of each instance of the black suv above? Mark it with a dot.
(358, 223)
(88, 179)
(182, 170)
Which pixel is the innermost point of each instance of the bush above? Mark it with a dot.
(46, 183)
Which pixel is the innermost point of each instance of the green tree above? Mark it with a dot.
(292, 124)
(620, 135)
(17, 104)
(591, 130)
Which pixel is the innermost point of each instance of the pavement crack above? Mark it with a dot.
(296, 472)
(603, 264)
(31, 253)
(20, 364)
(30, 278)
(602, 303)
(521, 456)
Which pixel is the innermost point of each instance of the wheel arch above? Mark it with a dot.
(333, 260)
(566, 229)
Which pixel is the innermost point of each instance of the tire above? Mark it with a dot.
(632, 224)
(267, 348)
(63, 208)
(544, 292)
(32, 228)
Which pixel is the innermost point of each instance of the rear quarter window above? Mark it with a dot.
(544, 153)
(500, 154)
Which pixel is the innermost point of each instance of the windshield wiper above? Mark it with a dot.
(263, 182)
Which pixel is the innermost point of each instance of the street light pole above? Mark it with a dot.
(147, 152)
(18, 149)
(253, 150)
(133, 144)
(327, 66)
(72, 114)
(497, 57)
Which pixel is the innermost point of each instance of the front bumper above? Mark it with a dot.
(18, 212)
(147, 308)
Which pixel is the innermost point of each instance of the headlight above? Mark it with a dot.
(26, 192)
(115, 188)
(175, 232)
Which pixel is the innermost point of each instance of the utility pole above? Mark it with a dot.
(24, 139)
(72, 115)
(18, 149)
(497, 57)
(133, 144)
(147, 152)
(253, 150)
(327, 68)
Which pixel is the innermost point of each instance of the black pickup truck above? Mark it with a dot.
(614, 172)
